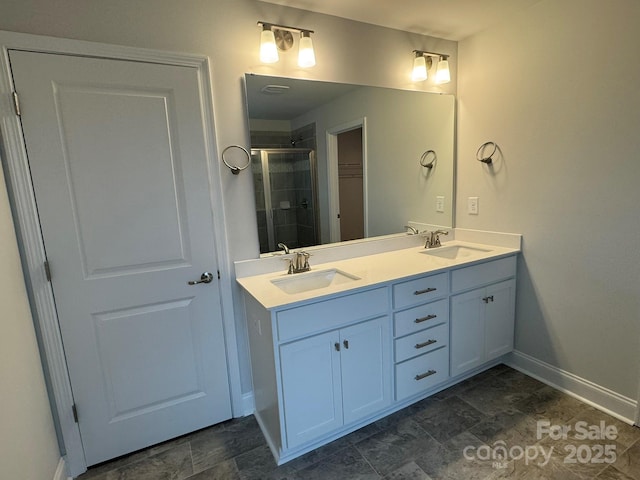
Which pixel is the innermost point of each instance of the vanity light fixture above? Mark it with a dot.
(306, 55)
(423, 62)
(419, 73)
(280, 37)
(268, 49)
(442, 71)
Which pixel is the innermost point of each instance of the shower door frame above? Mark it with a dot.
(266, 185)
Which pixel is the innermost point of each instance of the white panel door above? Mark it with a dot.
(119, 165)
(311, 387)
(467, 331)
(499, 319)
(366, 368)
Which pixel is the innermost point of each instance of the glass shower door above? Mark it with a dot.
(285, 193)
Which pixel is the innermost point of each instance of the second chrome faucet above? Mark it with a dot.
(299, 262)
(433, 238)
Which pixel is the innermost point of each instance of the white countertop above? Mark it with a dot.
(371, 270)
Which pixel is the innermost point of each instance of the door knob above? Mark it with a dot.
(206, 277)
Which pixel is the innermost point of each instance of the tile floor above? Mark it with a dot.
(428, 440)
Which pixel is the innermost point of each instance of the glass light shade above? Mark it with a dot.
(268, 49)
(306, 55)
(442, 72)
(419, 69)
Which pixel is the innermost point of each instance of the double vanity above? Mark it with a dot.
(362, 335)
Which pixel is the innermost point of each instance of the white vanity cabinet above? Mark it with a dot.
(335, 378)
(320, 366)
(421, 334)
(482, 318)
(327, 365)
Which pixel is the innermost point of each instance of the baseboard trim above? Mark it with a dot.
(61, 471)
(248, 404)
(610, 402)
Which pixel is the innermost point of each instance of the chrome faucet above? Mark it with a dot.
(299, 263)
(284, 247)
(412, 230)
(433, 238)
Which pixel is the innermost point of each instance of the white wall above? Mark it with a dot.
(28, 444)
(226, 31)
(557, 88)
(400, 126)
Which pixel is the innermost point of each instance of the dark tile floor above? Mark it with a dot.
(458, 433)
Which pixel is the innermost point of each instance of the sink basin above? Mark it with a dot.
(455, 252)
(314, 280)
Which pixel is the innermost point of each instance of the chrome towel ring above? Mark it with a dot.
(235, 169)
(482, 157)
(428, 158)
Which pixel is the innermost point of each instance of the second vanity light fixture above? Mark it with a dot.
(423, 62)
(280, 37)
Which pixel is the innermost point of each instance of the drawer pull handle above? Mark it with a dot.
(346, 344)
(488, 299)
(426, 290)
(425, 375)
(426, 344)
(424, 319)
(337, 346)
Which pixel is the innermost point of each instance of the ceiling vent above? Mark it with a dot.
(275, 89)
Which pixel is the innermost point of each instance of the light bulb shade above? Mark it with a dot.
(419, 72)
(306, 55)
(268, 48)
(442, 72)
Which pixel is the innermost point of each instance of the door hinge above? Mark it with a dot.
(47, 270)
(74, 409)
(16, 104)
(218, 274)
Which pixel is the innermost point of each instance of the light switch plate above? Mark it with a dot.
(472, 205)
(439, 204)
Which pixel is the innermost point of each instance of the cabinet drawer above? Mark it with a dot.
(422, 342)
(420, 290)
(483, 274)
(421, 317)
(422, 373)
(321, 316)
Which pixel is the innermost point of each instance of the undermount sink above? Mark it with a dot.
(455, 252)
(304, 282)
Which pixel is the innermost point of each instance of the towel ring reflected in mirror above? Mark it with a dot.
(482, 157)
(428, 159)
(234, 168)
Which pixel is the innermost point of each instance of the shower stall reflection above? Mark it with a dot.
(285, 193)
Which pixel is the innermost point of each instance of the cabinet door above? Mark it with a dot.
(311, 387)
(499, 319)
(467, 331)
(366, 368)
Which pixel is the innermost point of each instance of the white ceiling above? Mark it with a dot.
(449, 19)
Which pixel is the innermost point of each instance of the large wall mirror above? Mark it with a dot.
(334, 162)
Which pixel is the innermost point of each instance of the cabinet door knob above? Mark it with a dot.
(337, 346)
(346, 344)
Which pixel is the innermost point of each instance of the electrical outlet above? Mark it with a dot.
(439, 204)
(472, 205)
